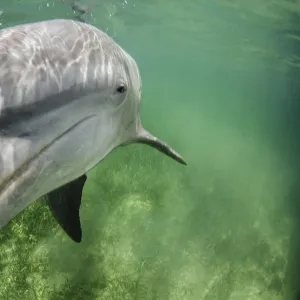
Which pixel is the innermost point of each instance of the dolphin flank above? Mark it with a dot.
(69, 95)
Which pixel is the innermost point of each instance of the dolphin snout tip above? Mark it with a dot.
(182, 161)
(147, 138)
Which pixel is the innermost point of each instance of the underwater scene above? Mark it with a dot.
(221, 85)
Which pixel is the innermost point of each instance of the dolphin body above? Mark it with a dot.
(69, 95)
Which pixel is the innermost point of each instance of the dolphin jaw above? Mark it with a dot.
(145, 137)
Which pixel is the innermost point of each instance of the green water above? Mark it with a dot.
(216, 80)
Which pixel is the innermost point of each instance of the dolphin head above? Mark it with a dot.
(106, 81)
(76, 100)
(127, 94)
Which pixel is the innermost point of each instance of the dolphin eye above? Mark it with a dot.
(121, 89)
(119, 94)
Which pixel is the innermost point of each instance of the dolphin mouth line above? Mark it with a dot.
(24, 167)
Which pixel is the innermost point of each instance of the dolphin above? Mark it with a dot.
(69, 95)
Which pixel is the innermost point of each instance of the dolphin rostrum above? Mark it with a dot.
(69, 95)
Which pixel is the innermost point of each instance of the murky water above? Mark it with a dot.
(220, 84)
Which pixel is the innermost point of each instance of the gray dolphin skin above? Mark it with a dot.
(69, 95)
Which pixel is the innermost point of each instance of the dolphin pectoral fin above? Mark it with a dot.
(64, 203)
